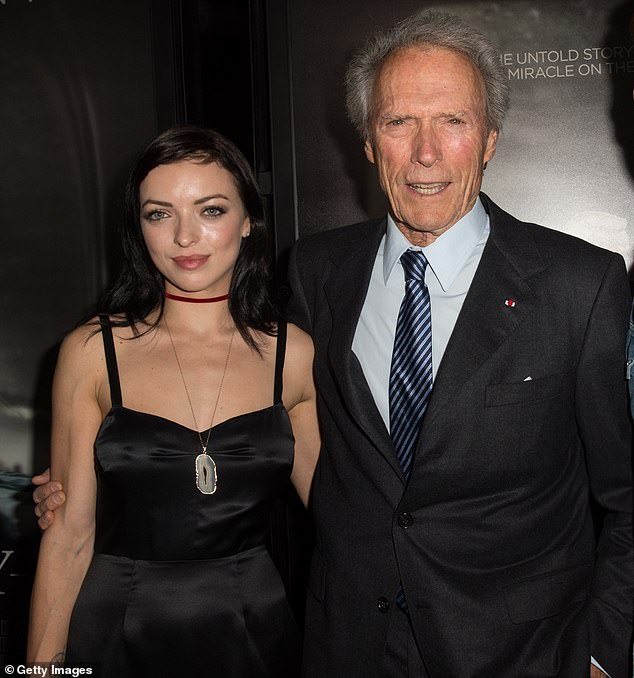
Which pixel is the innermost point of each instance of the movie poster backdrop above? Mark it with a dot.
(565, 156)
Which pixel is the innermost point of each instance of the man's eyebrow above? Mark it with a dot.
(393, 116)
(408, 116)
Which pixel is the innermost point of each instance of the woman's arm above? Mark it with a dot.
(66, 548)
(300, 399)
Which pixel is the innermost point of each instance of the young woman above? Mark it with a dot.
(178, 416)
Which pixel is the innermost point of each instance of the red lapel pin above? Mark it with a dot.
(510, 303)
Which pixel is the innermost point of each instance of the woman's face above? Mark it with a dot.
(193, 222)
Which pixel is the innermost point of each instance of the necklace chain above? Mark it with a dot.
(189, 400)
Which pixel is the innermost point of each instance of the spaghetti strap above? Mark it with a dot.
(111, 360)
(280, 353)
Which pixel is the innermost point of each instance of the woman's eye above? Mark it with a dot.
(156, 215)
(213, 211)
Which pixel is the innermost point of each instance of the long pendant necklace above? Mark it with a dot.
(206, 471)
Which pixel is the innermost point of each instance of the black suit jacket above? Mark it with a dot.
(493, 536)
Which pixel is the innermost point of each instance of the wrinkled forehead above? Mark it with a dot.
(414, 68)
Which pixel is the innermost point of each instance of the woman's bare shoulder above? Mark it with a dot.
(80, 368)
(298, 366)
(88, 336)
(299, 344)
(82, 342)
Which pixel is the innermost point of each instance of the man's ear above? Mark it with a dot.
(369, 151)
(490, 146)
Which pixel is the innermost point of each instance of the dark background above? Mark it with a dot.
(85, 84)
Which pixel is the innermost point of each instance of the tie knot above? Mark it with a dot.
(414, 264)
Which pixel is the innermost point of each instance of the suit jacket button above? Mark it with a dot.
(383, 604)
(405, 520)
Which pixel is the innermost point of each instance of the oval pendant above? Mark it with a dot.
(206, 474)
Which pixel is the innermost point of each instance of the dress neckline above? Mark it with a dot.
(236, 417)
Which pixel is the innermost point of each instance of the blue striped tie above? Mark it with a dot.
(411, 376)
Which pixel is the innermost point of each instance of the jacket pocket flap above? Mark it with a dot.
(548, 594)
(523, 391)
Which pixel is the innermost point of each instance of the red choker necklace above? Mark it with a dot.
(195, 300)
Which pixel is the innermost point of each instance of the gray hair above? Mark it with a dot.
(426, 29)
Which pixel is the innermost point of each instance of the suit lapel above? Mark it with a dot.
(499, 299)
(345, 291)
(485, 321)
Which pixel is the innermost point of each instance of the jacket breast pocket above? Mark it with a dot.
(516, 392)
(547, 594)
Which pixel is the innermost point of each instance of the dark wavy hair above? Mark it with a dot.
(140, 289)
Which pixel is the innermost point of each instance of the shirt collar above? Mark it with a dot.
(447, 254)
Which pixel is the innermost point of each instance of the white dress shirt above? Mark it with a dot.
(452, 261)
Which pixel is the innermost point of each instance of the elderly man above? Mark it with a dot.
(472, 401)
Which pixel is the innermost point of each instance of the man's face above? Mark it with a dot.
(428, 139)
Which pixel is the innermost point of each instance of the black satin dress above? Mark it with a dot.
(181, 583)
